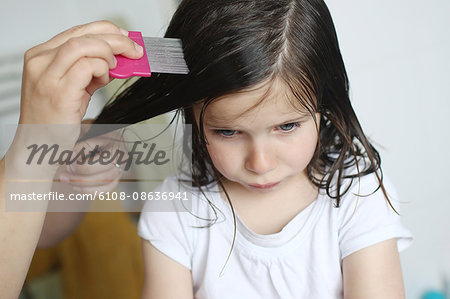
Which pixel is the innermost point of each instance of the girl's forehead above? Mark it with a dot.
(261, 100)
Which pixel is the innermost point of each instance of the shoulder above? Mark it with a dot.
(367, 215)
(366, 194)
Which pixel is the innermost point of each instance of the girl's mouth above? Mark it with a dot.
(264, 186)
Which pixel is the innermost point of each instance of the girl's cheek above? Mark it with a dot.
(222, 157)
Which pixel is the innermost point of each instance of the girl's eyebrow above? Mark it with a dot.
(229, 125)
(218, 122)
(297, 119)
(293, 120)
(217, 126)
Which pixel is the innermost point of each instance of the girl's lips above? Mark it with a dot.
(264, 186)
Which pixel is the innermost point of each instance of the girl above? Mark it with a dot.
(288, 196)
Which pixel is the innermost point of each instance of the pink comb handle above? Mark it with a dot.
(127, 67)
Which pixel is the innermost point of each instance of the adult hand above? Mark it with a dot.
(99, 166)
(61, 74)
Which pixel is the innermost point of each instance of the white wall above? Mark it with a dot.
(397, 55)
(27, 23)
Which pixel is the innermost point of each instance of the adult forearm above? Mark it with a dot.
(57, 226)
(19, 234)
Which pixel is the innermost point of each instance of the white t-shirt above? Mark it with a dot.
(303, 260)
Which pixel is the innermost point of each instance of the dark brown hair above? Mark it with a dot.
(231, 45)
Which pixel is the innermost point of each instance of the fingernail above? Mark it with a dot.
(138, 47)
(115, 61)
(124, 32)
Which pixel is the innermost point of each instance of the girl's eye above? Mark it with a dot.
(226, 133)
(289, 127)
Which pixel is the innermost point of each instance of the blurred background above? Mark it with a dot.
(397, 58)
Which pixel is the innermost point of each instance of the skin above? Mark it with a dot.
(262, 149)
(59, 78)
(263, 153)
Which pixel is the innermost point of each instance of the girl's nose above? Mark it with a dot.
(260, 160)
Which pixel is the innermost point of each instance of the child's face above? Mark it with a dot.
(262, 145)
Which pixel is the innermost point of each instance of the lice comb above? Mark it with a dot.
(161, 55)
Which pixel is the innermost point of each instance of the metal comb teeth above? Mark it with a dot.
(165, 55)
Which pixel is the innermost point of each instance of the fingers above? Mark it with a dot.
(103, 46)
(89, 188)
(93, 189)
(96, 180)
(94, 173)
(103, 181)
(101, 39)
(122, 45)
(76, 48)
(61, 75)
(90, 73)
(98, 27)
